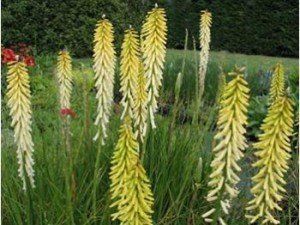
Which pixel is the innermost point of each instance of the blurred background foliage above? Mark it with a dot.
(247, 26)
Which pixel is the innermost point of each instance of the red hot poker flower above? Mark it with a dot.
(7, 55)
(66, 112)
(29, 61)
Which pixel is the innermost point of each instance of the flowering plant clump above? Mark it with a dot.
(20, 52)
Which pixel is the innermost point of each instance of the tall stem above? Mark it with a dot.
(69, 178)
(96, 175)
(30, 216)
(197, 102)
(87, 121)
(144, 145)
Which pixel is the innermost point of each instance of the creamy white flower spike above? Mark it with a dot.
(154, 38)
(64, 75)
(231, 142)
(140, 105)
(104, 67)
(19, 96)
(205, 25)
(129, 69)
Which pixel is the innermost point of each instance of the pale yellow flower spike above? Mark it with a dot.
(64, 75)
(19, 96)
(129, 70)
(136, 208)
(123, 159)
(130, 188)
(205, 24)
(140, 105)
(231, 142)
(277, 83)
(104, 66)
(273, 152)
(154, 38)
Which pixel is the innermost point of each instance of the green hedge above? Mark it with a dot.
(247, 26)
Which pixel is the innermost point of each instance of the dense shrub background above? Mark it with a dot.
(268, 27)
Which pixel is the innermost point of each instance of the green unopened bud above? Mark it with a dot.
(198, 172)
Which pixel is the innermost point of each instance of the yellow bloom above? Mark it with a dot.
(130, 187)
(273, 152)
(231, 142)
(19, 96)
(64, 75)
(124, 157)
(205, 25)
(277, 83)
(140, 106)
(137, 199)
(154, 36)
(129, 70)
(104, 66)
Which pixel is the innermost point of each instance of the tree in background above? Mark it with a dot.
(251, 27)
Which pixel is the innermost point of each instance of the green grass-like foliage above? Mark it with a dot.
(175, 177)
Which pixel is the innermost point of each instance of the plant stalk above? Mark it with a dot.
(197, 102)
(69, 178)
(30, 211)
(144, 145)
(87, 114)
(95, 180)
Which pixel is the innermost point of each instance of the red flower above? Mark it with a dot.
(67, 111)
(29, 60)
(7, 55)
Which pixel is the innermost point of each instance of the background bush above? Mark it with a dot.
(247, 26)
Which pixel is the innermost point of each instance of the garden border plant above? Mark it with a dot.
(132, 201)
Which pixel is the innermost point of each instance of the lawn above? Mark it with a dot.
(177, 155)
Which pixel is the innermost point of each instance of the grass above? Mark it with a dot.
(178, 174)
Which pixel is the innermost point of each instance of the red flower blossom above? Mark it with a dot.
(29, 60)
(67, 111)
(7, 55)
